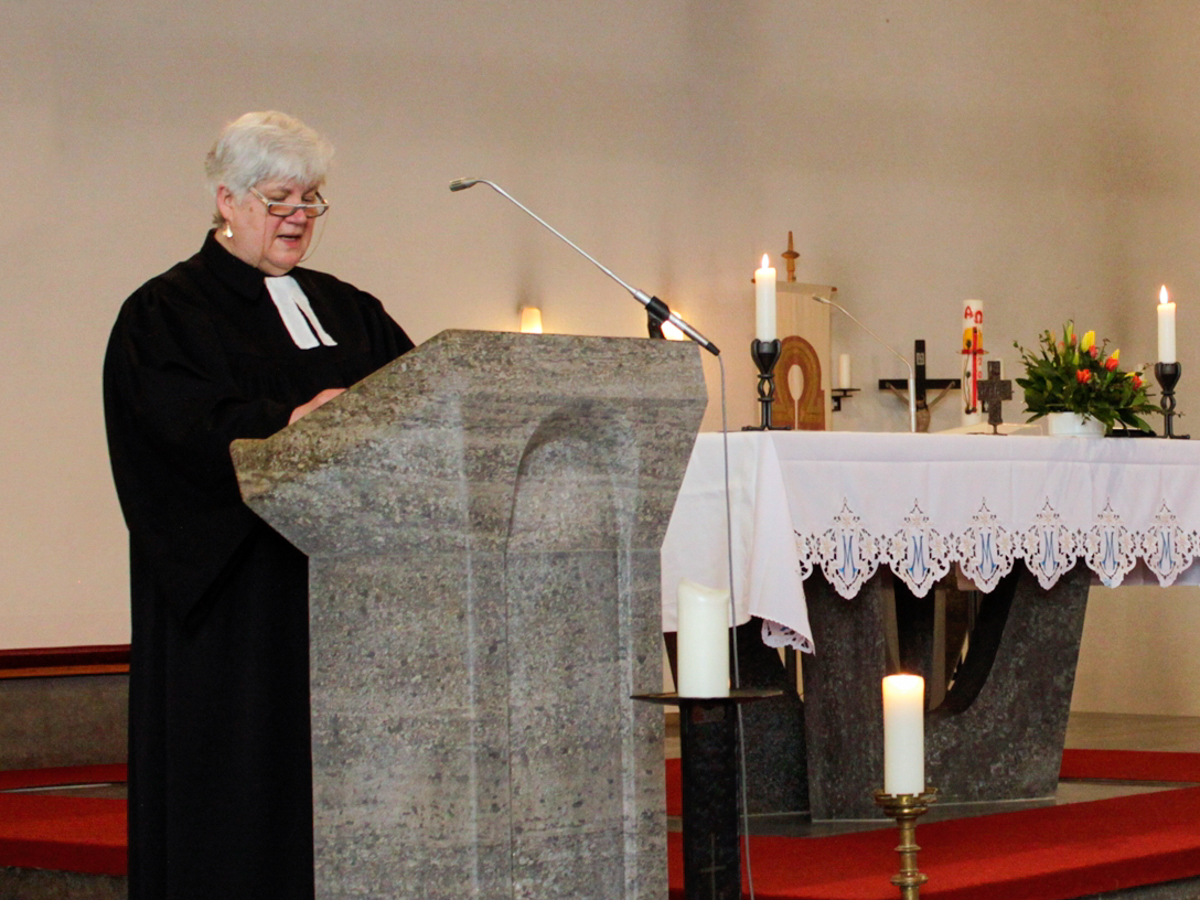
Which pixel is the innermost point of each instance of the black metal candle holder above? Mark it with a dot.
(712, 868)
(1167, 375)
(840, 394)
(765, 354)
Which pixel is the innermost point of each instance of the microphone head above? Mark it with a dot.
(461, 184)
(821, 300)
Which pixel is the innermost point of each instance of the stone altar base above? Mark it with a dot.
(999, 733)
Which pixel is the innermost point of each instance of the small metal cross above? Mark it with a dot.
(992, 392)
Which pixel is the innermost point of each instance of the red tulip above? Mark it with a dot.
(1111, 363)
(1083, 376)
(1137, 381)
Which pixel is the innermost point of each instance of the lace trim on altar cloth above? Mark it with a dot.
(920, 555)
(776, 635)
(986, 551)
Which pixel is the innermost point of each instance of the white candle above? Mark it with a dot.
(764, 301)
(843, 370)
(1166, 328)
(903, 734)
(702, 641)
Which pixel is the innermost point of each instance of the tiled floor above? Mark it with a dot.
(1094, 731)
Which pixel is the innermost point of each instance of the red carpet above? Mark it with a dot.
(15, 779)
(70, 834)
(1051, 853)
(1130, 765)
(73, 834)
(1088, 765)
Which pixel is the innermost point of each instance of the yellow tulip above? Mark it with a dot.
(1088, 340)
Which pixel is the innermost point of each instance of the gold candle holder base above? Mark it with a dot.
(906, 809)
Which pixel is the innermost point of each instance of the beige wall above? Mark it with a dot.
(1039, 155)
(1139, 652)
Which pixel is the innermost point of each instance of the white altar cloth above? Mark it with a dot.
(849, 502)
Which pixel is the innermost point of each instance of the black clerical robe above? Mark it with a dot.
(220, 794)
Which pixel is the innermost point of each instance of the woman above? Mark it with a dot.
(236, 342)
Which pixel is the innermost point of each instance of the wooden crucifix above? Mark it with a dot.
(899, 387)
(992, 392)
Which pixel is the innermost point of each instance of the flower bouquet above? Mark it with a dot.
(1080, 377)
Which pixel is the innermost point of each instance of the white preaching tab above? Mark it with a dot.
(297, 313)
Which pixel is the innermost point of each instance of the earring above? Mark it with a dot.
(228, 230)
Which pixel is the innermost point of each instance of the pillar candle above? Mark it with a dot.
(972, 346)
(844, 370)
(702, 641)
(764, 301)
(903, 734)
(1166, 327)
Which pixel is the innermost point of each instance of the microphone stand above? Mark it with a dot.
(912, 377)
(658, 311)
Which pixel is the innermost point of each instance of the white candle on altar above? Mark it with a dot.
(903, 734)
(764, 301)
(702, 641)
(843, 370)
(1166, 327)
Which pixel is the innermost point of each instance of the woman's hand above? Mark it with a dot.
(320, 400)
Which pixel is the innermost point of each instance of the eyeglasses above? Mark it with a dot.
(283, 210)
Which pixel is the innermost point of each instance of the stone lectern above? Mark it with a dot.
(483, 520)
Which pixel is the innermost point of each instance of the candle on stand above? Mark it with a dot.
(702, 641)
(843, 370)
(903, 734)
(1166, 327)
(764, 301)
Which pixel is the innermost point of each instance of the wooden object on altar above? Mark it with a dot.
(483, 519)
(806, 345)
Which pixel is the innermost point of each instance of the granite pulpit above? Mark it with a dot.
(483, 520)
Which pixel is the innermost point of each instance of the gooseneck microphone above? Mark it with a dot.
(655, 308)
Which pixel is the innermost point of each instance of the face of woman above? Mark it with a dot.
(272, 244)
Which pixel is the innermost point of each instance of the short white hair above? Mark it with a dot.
(267, 146)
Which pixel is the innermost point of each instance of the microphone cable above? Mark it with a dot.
(743, 798)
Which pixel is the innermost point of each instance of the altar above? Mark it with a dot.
(834, 531)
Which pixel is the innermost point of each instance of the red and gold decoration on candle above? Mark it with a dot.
(972, 351)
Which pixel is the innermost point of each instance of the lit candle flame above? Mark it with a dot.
(766, 262)
(1162, 294)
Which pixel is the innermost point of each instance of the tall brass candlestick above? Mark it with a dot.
(906, 809)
